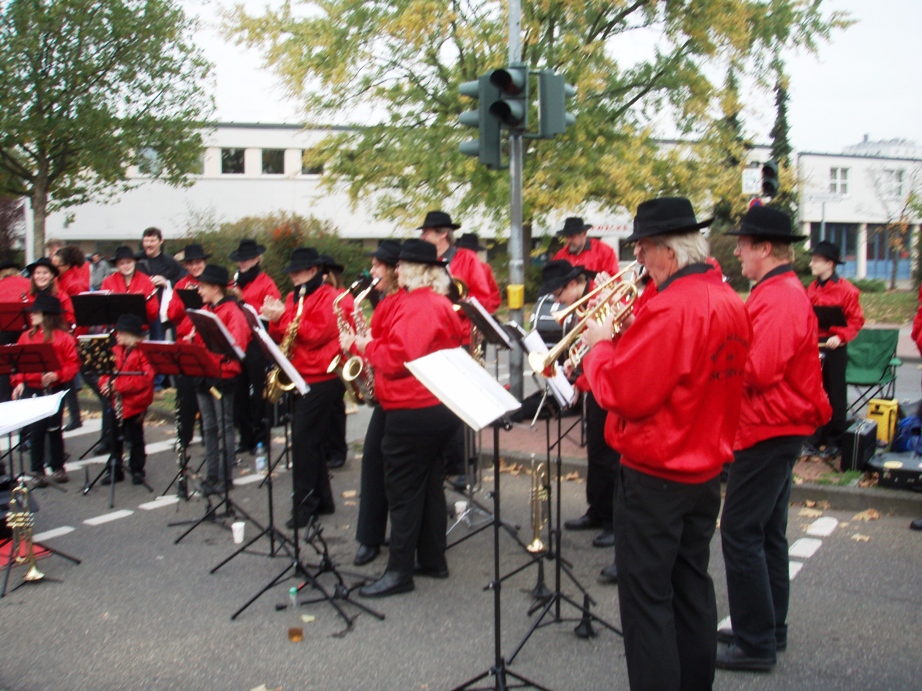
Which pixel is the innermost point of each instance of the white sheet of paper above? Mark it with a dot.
(14, 415)
(455, 378)
(563, 391)
(165, 301)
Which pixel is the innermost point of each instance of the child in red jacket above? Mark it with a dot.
(134, 392)
(48, 326)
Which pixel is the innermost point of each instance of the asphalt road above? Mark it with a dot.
(142, 612)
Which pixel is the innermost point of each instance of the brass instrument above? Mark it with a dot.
(539, 495)
(457, 291)
(349, 367)
(278, 382)
(21, 520)
(616, 303)
(361, 329)
(560, 316)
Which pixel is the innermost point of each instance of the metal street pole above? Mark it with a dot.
(516, 263)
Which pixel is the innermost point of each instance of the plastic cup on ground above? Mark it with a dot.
(237, 529)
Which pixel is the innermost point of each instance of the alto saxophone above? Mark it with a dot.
(349, 367)
(361, 329)
(278, 382)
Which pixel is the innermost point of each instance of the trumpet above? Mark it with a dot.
(539, 494)
(560, 316)
(457, 291)
(622, 295)
(21, 520)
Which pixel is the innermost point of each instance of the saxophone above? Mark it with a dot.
(278, 382)
(349, 367)
(361, 329)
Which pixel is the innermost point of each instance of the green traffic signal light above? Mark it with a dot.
(511, 108)
(488, 146)
(553, 92)
(770, 182)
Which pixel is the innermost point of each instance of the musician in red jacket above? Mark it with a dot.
(14, 288)
(671, 384)
(254, 286)
(72, 280)
(417, 427)
(470, 241)
(128, 280)
(218, 415)
(193, 262)
(44, 281)
(316, 343)
(783, 403)
(48, 326)
(580, 249)
(831, 290)
(134, 389)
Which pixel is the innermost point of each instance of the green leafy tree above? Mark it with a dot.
(388, 72)
(781, 145)
(90, 88)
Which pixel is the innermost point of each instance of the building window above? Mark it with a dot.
(310, 166)
(838, 180)
(232, 161)
(273, 161)
(149, 162)
(892, 184)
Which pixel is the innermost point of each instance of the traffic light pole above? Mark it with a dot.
(516, 249)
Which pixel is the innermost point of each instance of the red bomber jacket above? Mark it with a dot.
(837, 292)
(136, 390)
(65, 347)
(317, 340)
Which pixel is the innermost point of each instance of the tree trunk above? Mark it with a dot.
(39, 213)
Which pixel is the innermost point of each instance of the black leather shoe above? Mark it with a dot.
(584, 522)
(916, 524)
(335, 463)
(137, 478)
(71, 426)
(725, 635)
(326, 509)
(609, 575)
(391, 583)
(458, 483)
(734, 658)
(604, 539)
(366, 554)
(107, 478)
(302, 519)
(431, 571)
(209, 488)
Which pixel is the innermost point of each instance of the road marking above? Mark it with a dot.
(87, 427)
(249, 479)
(149, 449)
(159, 502)
(794, 568)
(823, 527)
(804, 548)
(105, 518)
(55, 532)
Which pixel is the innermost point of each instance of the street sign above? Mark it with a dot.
(752, 181)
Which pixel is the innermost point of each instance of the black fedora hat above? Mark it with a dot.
(42, 261)
(828, 250)
(420, 252)
(388, 252)
(130, 323)
(438, 219)
(665, 216)
(46, 304)
(124, 252)
(214, 274)
(330, 264)
(767, 223)
(194, 252)
(10, 264)
(558, 273)
(573, 226)
(247, 249)
(470, 241)
(303, 258)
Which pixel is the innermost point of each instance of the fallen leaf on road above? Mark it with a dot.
(798, 480)
(823, 505)
(572, 477)
(810, 513)
(307, 618)
(349, 494)
(858, 537)
(868, 515)
(349, 503)
(809, 502)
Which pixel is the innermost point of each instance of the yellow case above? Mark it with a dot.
(885, 413)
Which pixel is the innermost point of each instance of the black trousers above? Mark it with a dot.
(603, 465)
(250, 412)
(663, 532)
(834, 365)
(335, 448)
(753, 531)
(187, 402)
(311, 422)
(414, 445)
(133, 433)
(372, 523)
(49, 427)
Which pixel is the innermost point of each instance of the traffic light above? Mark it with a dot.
(553, 92)
(511, 109)
(770, 183)
(488, 147)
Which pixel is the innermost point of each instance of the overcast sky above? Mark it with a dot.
(861, 83)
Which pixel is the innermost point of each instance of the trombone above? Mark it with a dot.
(623, 295)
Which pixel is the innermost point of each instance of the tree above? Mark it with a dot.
(898, 194)
(781, 146)
(11, 222)
(89, 88)
(389, 73)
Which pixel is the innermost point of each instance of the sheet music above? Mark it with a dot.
(14, 415)
(165, 301)
(211, 316)
(256, 324)
(563, 391)
(456, 379)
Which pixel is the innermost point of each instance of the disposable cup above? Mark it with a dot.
(237, 529)
(460, 507)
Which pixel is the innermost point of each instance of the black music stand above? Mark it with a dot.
(190, 298)
(11, 410)
(13, 316)
(179, 359)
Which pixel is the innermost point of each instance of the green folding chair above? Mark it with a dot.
(872, 363)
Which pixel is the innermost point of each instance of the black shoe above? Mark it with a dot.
(303, 521)
(604, 539)
(916, 524)
(243, 448)
(107, 478)
(335, 463)
(725, 635)
(102, 448)
(326, 509)
(391, 583)
(431, 571)
(734, 658)
(39, 481)
(584, 522)
(366, 554)
(209, 488)
(137, 478)
(458, 483)
(71, 426)
(609, 575)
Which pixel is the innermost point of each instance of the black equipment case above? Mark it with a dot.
(858, 445)
(901, 470)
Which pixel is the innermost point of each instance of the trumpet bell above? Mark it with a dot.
(542, 364)
(33, 574)
(536, 546)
